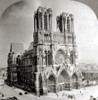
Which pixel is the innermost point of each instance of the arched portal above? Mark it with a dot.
(63, 81)
(51, 84)
(75, 81)
(41, 84)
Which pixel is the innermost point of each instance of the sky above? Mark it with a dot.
(16, 24)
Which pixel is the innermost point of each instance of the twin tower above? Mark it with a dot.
(64, 39)
(43, 21)
(43, 24)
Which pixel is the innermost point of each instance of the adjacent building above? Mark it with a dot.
(2, 76)
(49, 65)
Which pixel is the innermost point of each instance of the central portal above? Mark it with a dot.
(63, 81)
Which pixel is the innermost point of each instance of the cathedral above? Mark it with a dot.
(49, 65)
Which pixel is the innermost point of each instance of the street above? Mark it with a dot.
(80, 94)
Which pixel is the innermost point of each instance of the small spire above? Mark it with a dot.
(11, 47)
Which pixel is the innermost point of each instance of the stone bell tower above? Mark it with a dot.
(42, 43)
(65, 24)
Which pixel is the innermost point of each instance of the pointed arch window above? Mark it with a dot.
(45, 21)
(40, 20)
(68, 24)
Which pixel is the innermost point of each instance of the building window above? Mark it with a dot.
(49, 58)
(68, 24)
(69, 39)
(45, 22)
(71, 57)
(41, 20)
(46, 58)
(60, 24)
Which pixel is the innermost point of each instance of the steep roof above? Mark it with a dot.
(17, 47)
(30, 46)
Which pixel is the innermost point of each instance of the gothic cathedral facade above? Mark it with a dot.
(55, 53)
(53, 56)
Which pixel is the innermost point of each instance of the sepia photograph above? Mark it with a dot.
(48, 50)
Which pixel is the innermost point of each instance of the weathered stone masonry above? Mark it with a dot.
(50, 65)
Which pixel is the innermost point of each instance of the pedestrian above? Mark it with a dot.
(2, 95)
(74, 98)
(91, 97)
(63, 94)
(80, 91)
(57, 94)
